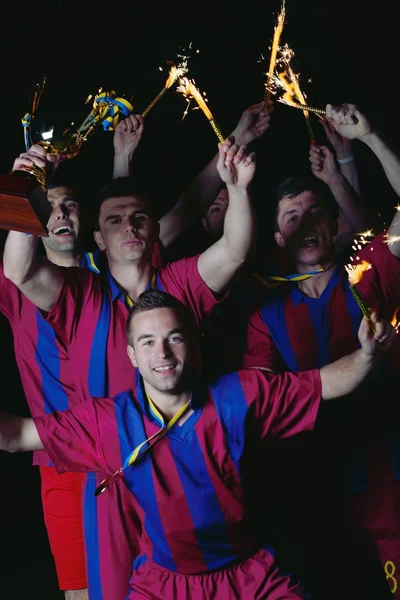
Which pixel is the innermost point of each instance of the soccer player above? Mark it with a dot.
(179, 447)
(310, 322)
(88, 314)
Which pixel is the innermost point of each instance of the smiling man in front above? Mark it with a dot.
(179, 446)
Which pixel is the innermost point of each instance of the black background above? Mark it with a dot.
(347, 48)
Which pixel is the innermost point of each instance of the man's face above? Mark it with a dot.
(161, 349)
(305, 229)
(213, 220)
(63, 225)
(127, 230)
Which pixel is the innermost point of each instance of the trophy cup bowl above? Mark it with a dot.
(23, 193)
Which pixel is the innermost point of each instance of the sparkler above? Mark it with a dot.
(303, 107)
(174, 74)
(274, 49)
(188, 89)
(293, 90)
(355, 274)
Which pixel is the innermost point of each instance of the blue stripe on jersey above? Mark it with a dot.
(159, 287)
(48, 359)
(320, 321)
(139, 477)
(273, 315)
(231, 406)
(210, 527)
(92, 539)
(98, 365)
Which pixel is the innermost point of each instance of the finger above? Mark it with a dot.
(228, 143)
(22, 162)
(129, 125)
(38, 150)
(222, 154)
(316, 168)
(240, 155)
(364, 331)
(231, 153)
(250, 158)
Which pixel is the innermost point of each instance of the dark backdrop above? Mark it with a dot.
(347, 48)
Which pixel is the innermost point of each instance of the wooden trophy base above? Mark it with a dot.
(23, 204)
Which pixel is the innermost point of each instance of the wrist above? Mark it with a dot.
(238, 190)
(240, 140)
(343, 160)
(370, 137)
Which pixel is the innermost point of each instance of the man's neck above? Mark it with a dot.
(169, 404)
(63, 259)
(132, 277)
(315, 285)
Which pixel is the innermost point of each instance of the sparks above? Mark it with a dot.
(174, 73)
(188, 88)
(368, 233)
(275, 46)
(355, 272)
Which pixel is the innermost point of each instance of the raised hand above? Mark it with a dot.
(348, 120)
(380, 342)
(128, 134)
(253, 123)
(323, 164)
(236, 166)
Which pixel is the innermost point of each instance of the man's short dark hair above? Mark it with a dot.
(152, 299)
(119, 187)
(294, 186)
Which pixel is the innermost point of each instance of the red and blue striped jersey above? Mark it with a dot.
(90, 317)
(188, 489)
(293, 331)
(41, 356)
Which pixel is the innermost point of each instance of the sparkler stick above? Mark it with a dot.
(189, 90)
(355, 274)
(303, 107)
(174, 74)
(274, 49)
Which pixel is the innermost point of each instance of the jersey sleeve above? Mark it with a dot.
(380, 284)
(183, 280)
(10, 297)
(282, 405)
(73, 438)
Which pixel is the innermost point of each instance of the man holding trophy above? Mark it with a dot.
(43, 357)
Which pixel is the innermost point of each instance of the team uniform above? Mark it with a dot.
(89, 317)
(46, 376)
(198, 539)
(357, 445)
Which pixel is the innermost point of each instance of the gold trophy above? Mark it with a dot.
(23, 193)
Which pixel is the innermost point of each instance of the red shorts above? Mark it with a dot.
(62, 509)
(253, 579)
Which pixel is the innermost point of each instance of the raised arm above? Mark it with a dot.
(221, 261)
(351, 123)
(344, 375)
(353, 217)
(343, 151)
(18, 434)
(204, 188)
(127, 136)
(39, 281)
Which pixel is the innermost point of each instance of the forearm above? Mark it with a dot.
(18, 434)
(394, 235)
(388, 156)
(122, 165)
(192, 203)
(349, 203)
(240, 224)
(19, 256)
(346, 374)
(349, 171)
